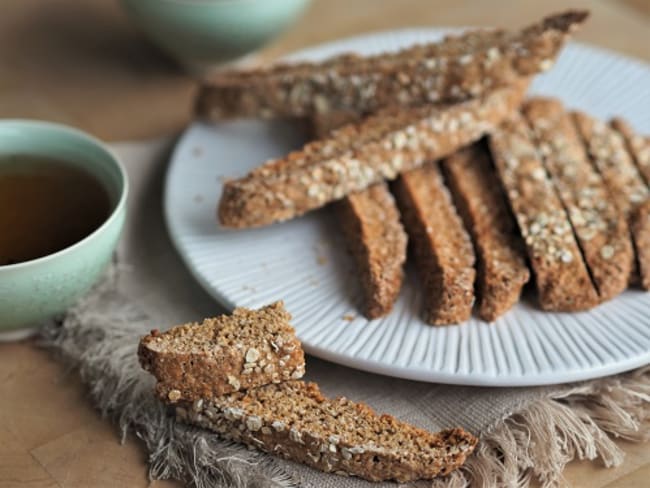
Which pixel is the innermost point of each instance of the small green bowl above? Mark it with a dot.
(33, 291)
(204, 34)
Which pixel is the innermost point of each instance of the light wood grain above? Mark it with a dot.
(18, 468)
(81, 63)
(636, 479)
(78, 458)
(51, 436)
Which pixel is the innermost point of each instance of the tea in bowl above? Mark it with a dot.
(62, 209)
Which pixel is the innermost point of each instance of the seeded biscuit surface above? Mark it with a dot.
(359, 155)
(458, 68)
(295, 421)
(604, 238)
(224, 354)
(562, 279)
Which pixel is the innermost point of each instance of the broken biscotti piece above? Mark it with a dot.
(295, 421)
(357, 156)
(637, 145)
(376, 238)
(626, 187)
(603, 236)
(442, 248)
(456, 69)
(563, 281)
(501, 258)
(222, 355)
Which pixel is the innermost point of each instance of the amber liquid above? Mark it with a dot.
(46, 205)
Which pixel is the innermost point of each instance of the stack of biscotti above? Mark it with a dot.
(433, 146)
(449, 287)
(383, 116)
(239, 376)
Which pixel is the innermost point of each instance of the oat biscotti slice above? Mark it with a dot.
(295, 421)
(374, 233)
(458, 68)
(637, 145)
(610, 157)
(501, 259)
(357, 156)
(603, 236)
(222, 355)
(641, 230)
(442, 248)
(562, 279)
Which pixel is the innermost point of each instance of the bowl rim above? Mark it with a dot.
(115, 160)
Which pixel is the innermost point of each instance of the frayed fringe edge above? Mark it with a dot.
(537, 442)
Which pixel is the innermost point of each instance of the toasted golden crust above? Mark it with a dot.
(371, 223)
(562, 279)
(637, 145)
(222, 355)
(295, 421)
(501, 262)
(604, 238)
(442, 248)
(456, 69)
(358, 156)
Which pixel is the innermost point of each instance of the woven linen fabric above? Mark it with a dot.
(525, 433)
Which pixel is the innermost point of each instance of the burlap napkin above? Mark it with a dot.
(525, 433)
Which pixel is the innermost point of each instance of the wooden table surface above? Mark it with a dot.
(82, 63)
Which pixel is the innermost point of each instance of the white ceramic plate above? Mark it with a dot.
(304, 261)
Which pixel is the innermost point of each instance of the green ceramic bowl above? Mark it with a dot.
(203, 34)
(32, 291)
